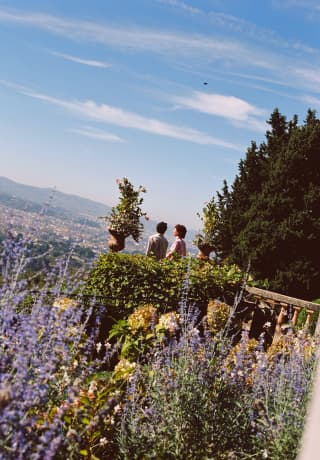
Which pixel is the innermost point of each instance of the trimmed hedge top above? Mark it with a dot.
(125, 281)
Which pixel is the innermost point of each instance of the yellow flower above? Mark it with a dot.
(63, 303)
(303, 344)
(248, 350)
(142, 318)
(217, 315)
(168, 322)
(123, 370)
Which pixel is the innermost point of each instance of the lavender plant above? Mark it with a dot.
(202, 397)
(186, 392)
(177, 405)
(281, 389)
(46, 358)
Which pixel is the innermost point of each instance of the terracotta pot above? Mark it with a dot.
(204, 251)
(116, 241)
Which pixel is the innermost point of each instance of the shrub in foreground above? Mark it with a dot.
(127, 281)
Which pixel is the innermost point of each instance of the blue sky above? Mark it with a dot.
(94, 91)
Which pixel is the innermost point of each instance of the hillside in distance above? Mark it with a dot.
(63, 203)
(66, 216)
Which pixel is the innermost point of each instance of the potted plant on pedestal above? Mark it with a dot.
(124, 219)
(205, 239)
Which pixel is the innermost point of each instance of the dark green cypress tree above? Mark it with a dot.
(247, 185)
(274, 208)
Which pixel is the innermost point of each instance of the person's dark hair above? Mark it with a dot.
(162, 227)
(181, 229)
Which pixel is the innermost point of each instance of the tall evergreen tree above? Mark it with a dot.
(273, 211)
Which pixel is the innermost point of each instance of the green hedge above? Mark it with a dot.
(125, 281)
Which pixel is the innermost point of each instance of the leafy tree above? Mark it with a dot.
(205, 240)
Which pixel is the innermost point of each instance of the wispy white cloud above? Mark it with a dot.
(104, 113)
(97, 134)
(310, 75)
(88, 62)
(258, 33)
(306, 77)
(185, 48)
(254, 124)
(246, 28)
(217, 104)
(310, 9)
(142, 39)
(264, 79)
(229, 107)
(306, 4)
(189, 49)
(182, 5)
(14, 86)
(313, 102)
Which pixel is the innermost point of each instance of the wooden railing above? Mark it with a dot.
(284, 308)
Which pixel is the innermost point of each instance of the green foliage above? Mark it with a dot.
(133, 345)
(143, 331)
(302, 317)
(89, 422)
(127, 281)
(272, 213)
(209, 219)
(124, 218)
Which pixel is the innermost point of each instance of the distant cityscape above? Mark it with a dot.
(42, 227)
(74, 219)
